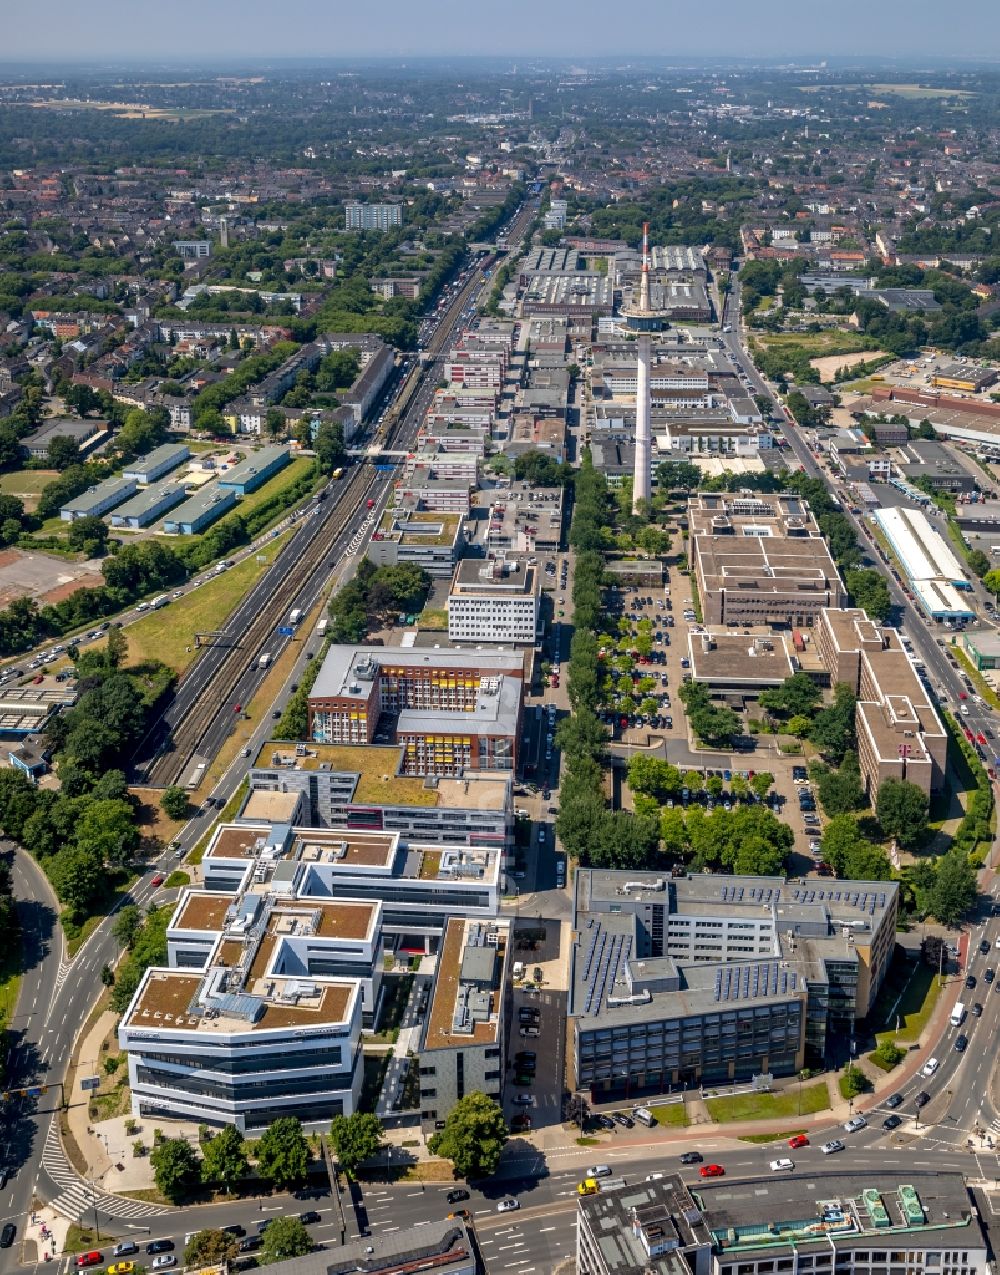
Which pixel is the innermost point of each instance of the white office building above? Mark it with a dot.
(494, 602)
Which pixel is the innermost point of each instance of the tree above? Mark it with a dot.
(175, 1169)
(841, 791)
(210, 1248)
(473, 1137)
(581, 735)
(174, 802)
(902, 810)
(329, 445)
(88, 536)
(77, 876)
(797, 696)
(832, 729)
(762, 783)
(275, 422)
(117, 648)
(282, 1154)
(127, 925)
(224, 1158)
(107, 830)
(869, 590)
(978, 562)
(355, 1138)
(63, 451)
(285, 1238)
(954, 889)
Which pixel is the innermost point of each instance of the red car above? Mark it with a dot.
(800, 1140)
(89, 1259)
(712, 1171)
(157, 880)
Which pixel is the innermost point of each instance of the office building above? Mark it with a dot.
(429, 539)
(372, 216)
(919, 1222)
(99, 499)
(419, 885)
(193, 249)
(642, 1228)
(262, 994)
(706, 979)
(461, 1047)
(760, 560)
(494, 602)
(361, 787)
(450, 710)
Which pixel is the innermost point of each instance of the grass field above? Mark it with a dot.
(770, 1106)
(913, 1006)
(284, 478)
(27, 485)
(900, 90)
(168, 634)
(816, 344)
(671, 1113)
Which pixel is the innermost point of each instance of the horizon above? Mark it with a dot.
(106, 32)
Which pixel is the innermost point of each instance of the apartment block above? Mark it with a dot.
(494, 602)
(759, 559)
(462, 1037)
(452, 711)
(372, 216)
(693, 980)
(358, 787)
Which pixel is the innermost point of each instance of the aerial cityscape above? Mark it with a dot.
(499, 640)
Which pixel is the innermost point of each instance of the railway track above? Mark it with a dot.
(181, 745)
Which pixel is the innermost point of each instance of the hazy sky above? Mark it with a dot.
(158, 29)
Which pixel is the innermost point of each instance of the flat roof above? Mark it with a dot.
(439, 1032)
(349, 671)
(155, 496)
(438, 1245)
(473, 576)
(253, 465)
(272, 807)
(117, 488)
(166, 998)
(202, 502)
(175, 453)
(757, 1213)
(420, 527)
(377, 770)
(728, 657)
(496, 712)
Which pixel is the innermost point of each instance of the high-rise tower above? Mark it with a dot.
(642, 320)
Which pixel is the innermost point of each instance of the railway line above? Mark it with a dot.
(197, 719)
(249, 629)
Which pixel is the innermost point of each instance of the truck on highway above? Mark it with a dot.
(958, 1014)
(295, 617)
(264, 660)
(323, 625)
(159, 602)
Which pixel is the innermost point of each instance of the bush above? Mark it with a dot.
(887, 1055)
(853, 1083)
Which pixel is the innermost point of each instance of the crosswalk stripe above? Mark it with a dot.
(79, 1195)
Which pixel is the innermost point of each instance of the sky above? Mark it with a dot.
(157, 30)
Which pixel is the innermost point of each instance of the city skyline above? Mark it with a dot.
(107, 30)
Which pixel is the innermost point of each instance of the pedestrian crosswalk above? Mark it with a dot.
(77, 1196)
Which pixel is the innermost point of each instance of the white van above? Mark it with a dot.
(644, 1116)
(958, 1015)
(782, 1166)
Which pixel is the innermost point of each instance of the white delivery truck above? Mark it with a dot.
(264, 660)
(295, 616)
(958, 1014)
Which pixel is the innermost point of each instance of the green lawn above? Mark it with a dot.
(27, 484)
(166, 634)
(671, 1113)
(770, 1106)
(284, 478)
(818, 344)
(914, 1008)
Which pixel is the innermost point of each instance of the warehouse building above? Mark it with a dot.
(931, 569)
(200, 511)
(570, 294)
(147, 505)
(255, 470)
(81, 432)
(98, 500)
(706, 979)
(147, 469)
(967, 377)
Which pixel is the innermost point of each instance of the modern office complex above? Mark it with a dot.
(708, 979)
(495, 601)
(268, 1024)
(429, 539)
(358, 788)
(760, 559)
(861, 1223)
(462, 1037)
(452, 711)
